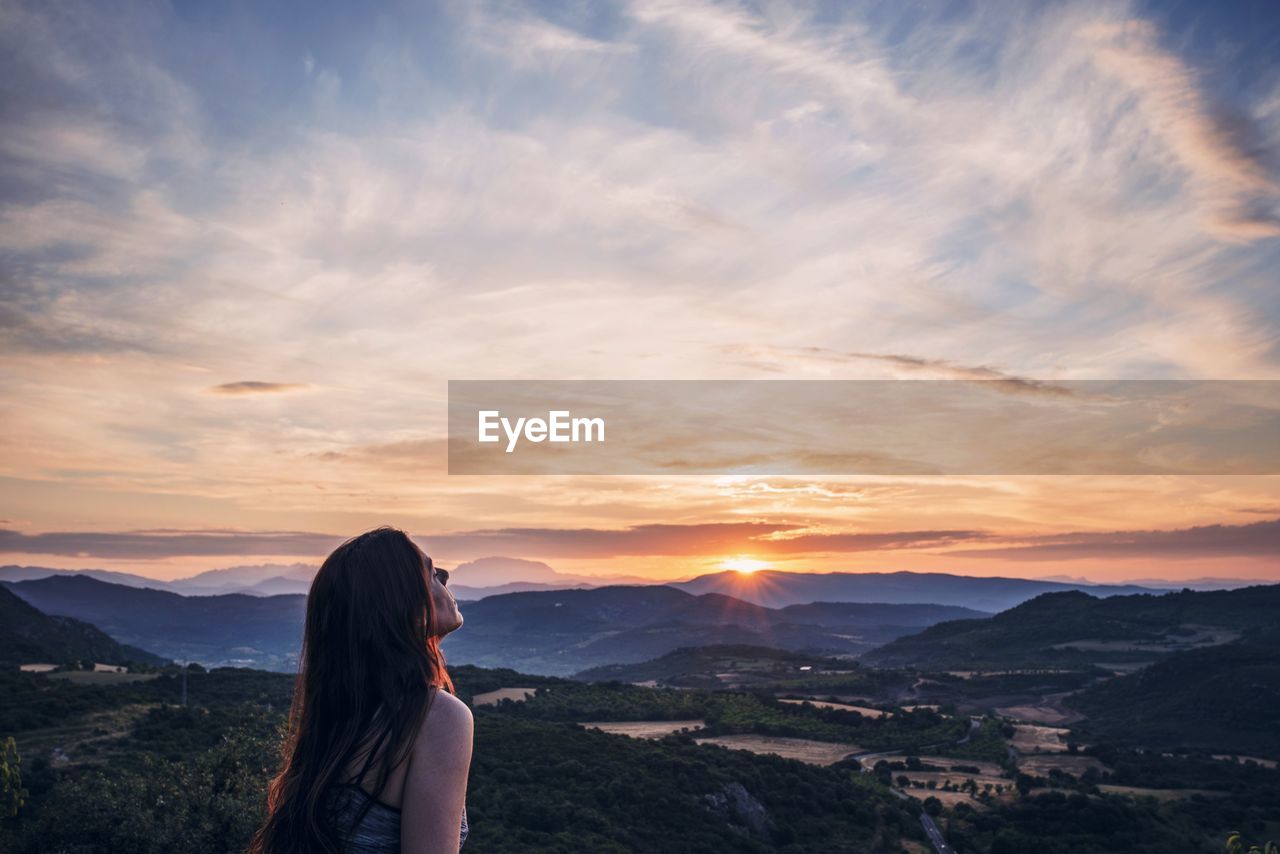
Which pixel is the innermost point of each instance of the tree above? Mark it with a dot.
(12, 795)
(1236, 843)
(933, 806)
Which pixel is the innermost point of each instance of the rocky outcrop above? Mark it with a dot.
(735, 805)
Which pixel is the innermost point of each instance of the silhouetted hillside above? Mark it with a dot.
(29, 636)
(553, 632)
(231, 629)
(1075, 628)
(776, 589)
(563, 632)
(1222, 698)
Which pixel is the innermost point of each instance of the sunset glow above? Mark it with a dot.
(744, 565)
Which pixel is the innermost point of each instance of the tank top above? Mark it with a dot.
(379, 830)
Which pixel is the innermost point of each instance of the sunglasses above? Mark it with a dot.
(442, 575)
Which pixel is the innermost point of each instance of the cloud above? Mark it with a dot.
(760, 356)
(756, 538)
(1255, 539)
(164, 543)
(622, 192)
(1230, 166)
(255, 387)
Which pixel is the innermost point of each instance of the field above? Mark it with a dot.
(989, 769)
(1042, 764)
(803, 749)
(1048, 711)
(492, 698)
(956, 778)
(948, 799)
(865, 711)
(1029, 738)
(643, 729)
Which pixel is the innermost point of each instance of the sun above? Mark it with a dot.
(744, 565)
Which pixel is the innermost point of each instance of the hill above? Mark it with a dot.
(723, 666)
(29, 636)
(556, 632)
(1223, 698)
(12, 572)
(776, 589)
(562, 632)
(235, 629)
(704, 662)
(1074, 629)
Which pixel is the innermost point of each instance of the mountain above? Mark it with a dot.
(28, 636)
(277, 586)
(497, 572)
(248, 579)
(264, 580)
(1222, 698)
(555, 632)
(868, 613)
(775, 589)
(231, 629)
(471, 594)
(128, 579)
(1074, 628)
(1200, 583)
(564, 631)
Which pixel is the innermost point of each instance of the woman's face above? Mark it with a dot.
(448, 617)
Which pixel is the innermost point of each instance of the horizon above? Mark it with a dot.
(570, 580)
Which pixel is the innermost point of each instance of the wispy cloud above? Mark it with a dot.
(159, 544)
(1256, 539)
(1229, 164)
(255, 387)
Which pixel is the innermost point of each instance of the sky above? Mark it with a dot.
(244, 247)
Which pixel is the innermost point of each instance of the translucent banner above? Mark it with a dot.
(863, 427)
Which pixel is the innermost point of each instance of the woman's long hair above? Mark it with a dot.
(369, 660)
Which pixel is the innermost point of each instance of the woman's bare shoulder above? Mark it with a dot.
(446, 729)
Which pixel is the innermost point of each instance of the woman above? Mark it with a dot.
(378, 748)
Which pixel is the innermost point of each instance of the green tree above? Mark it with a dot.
(12, 795)
(1236, 843)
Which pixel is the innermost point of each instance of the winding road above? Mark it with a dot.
(936, 838)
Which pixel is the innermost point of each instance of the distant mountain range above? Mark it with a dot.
(562, 632)
(555, 632)
(28, 636)
(472, 580)
(772, 588)
(230, 629)
(776, 589)
(1074, 628)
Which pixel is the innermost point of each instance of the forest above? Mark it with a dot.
(126, 767)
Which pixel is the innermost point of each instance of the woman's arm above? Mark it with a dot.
(435, 786)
